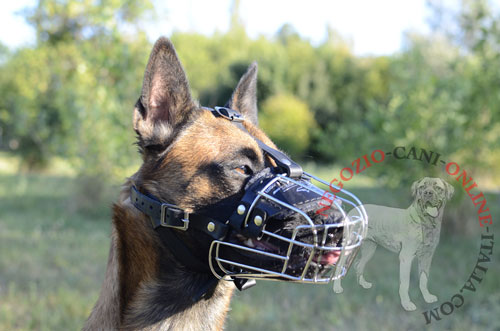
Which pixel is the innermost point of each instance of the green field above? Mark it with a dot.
(52, 261)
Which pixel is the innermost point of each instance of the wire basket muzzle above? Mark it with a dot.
(295, 243)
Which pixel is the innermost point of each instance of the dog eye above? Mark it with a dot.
(244, 170)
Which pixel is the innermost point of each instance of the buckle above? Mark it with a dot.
(185, 220)
(229, 114)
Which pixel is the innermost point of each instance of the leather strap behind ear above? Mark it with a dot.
(244, 98)
(292, 169)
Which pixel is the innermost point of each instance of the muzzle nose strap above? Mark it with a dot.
(292, 169)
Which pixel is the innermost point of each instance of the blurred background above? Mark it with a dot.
(336, 81)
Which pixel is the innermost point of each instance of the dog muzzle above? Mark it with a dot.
(276, 231)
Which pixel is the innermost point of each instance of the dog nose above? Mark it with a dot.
(334, 215)
(429, 193)
(334, 236)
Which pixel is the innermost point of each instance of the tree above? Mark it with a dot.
(288, 122)
(73, 93)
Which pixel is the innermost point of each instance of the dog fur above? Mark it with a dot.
(187, 161)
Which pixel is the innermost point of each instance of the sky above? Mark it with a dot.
(373, 27)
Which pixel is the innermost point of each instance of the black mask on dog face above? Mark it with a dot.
(275, 232)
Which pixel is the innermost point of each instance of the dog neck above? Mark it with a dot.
(417, 215)
(145, 288)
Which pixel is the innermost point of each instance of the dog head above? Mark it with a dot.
(203, 164)
(431, 195)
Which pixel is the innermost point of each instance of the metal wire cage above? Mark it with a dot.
(353, 225)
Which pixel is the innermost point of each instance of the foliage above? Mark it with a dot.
(69, 94)
(72, 93)
(288, 122)
(442, 92)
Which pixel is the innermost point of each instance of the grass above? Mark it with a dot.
(52, 262)
(281, 306)
(51, 259)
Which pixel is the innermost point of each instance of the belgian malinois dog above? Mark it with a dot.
(199, 163)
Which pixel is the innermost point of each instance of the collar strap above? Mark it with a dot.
(165, 217)
(170, 216)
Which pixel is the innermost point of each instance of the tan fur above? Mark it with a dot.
(121, 281)
(133, 257)
(199, 317)
(192, 149)
(106, 313)
(145, 286)
(131, 278)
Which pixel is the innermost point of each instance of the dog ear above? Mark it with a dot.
(414, 187)
(165, 99)
(244, 98)
(449, 189)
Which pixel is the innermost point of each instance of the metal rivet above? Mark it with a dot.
(257, 220)
(241, 209)
(211, 226)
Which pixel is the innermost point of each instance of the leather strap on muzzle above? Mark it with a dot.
(165, 217)
(291, 194)
(171, 216)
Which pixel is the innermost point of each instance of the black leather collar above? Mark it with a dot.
(170, 216)
(165, 217)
